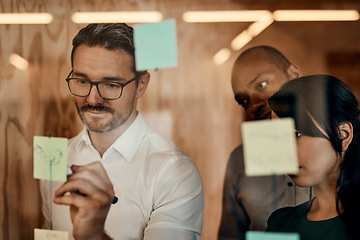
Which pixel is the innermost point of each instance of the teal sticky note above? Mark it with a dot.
(271, 236)
(155, 45)
(50, 158)
(270, 147)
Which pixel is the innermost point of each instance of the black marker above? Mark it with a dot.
(114, 200)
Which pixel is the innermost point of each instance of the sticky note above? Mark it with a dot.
(155, 45)
(269, 147)
(44, 234)
(271, 236)
(50, 158)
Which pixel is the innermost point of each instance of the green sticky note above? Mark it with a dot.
(50, 158)
(269, 147)
(155, 45)
(271, 236)
(44, 234)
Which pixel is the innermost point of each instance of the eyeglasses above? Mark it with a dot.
(108, 90)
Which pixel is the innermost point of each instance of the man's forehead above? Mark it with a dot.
(249, 66)
(247, 73)
(255, 55)
(251, 62)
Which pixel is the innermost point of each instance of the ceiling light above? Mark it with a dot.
(253, 30)
(25, 18)
(260, 25)
(222, 56)
(223, 16)
(241, 40)
(112, 17)
(316, 15)
(18, 61)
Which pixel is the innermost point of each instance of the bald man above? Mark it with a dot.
(248, 201)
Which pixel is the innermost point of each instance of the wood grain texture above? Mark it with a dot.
(191, 104)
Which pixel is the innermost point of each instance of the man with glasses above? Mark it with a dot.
(128, 182)
(248, 201)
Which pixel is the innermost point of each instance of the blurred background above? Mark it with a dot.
(192, 104)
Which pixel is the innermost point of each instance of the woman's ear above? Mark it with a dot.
(346, 134)
(142, 84)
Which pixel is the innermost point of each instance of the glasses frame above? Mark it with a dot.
(68, 78)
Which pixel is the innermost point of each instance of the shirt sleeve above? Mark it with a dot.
(234, 220)
(178, 203)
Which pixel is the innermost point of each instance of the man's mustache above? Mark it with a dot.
(96, 108)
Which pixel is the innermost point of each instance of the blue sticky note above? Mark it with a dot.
(50, 158)
(155, 45)
(271, 236)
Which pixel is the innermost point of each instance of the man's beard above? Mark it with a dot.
(111, 124)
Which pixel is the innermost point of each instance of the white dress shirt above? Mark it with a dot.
(159, 188)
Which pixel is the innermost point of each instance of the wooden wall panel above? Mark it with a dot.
(191, 104)
(346, 66)
(32, 102)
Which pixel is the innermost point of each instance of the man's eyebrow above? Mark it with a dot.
(78, 74)
(114, 79)
(254, 79)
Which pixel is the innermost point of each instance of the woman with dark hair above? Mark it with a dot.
(326, 115)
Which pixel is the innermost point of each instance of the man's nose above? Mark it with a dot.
(256, 102)
(255, 105)
(94, 97)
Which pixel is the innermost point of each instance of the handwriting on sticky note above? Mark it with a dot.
(50, 158)
(269, 147)
(155, 45)
(44, 234)
(271, 236)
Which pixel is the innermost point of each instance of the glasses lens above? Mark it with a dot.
(79, 87)
(110, 90)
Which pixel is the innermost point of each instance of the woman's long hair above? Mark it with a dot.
(330, 102)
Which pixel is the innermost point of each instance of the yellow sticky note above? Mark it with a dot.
(50, 158)
(269, 147)
(44, 234)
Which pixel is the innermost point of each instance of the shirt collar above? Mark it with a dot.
(127, 144)
(84, 140)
